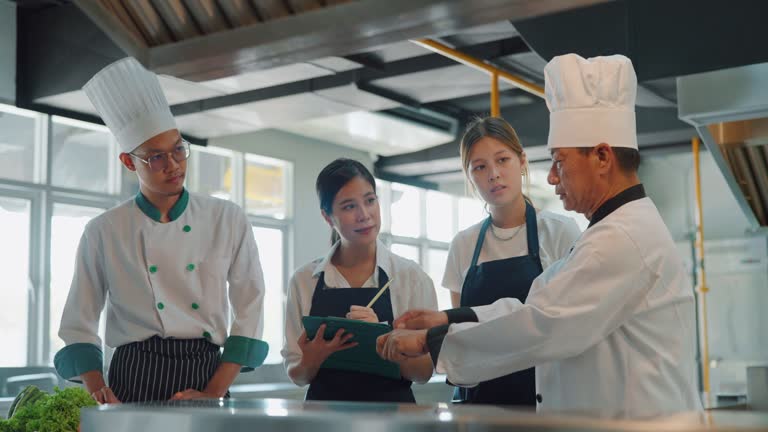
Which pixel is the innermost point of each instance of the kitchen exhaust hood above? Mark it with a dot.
(201, 40)
(729, 109)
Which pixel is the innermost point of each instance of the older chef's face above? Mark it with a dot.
(356, 213)
(165, 173)
(573, 174)
(496, 171)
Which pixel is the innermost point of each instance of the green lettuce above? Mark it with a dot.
(59, 412)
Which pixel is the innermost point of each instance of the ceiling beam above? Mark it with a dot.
(659, 130)
(364, 75)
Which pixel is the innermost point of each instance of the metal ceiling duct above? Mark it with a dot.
(729, 109)
(270, 9)
(151, 25)
(177, 18)
(207, 15)
(239, 12)
(201, 40)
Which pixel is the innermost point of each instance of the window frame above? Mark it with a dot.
(288, 181)
(36, 273)
(422, 242)
(95, 202)
(194, 161)
(114, 178)
(285, 226)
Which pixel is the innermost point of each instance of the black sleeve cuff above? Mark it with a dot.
(435, 337)
(460, 315)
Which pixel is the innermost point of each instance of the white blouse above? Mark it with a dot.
(411, 288)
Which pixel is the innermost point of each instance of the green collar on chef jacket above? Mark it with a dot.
(153, 213)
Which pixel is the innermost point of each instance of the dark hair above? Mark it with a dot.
(335, 176)
(628, 159)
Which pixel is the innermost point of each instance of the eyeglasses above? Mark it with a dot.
(160, 161)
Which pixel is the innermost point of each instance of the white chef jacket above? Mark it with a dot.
(610, 328)
(166, 279)
(411, 288)
(557, 233)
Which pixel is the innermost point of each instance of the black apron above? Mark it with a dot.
(341, 385)
(155, 369)
(491, 281)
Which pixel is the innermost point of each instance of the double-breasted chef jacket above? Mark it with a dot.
(167, 280)
(610, 328)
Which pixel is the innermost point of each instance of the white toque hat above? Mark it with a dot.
(591, 101)
(131, 102)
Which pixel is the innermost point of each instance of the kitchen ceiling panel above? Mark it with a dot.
(284, 110)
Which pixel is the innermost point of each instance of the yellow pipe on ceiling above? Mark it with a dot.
(468, 60)
(495, 107)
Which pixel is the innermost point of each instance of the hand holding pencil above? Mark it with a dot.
(366, 313)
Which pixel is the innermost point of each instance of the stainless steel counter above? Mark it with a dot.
(294, 416)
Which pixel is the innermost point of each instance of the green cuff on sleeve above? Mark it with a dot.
(76, 359)
(247, 352)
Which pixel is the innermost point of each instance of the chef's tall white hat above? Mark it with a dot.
(131, 102)
(591, 101)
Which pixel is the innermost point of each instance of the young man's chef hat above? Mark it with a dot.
(591, 101)
(131, 102)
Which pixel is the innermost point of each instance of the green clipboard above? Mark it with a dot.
(363, 357)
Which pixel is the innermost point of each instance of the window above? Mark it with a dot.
(406, 251)
(437, 259)
(270, 243)
(210, 172)
(471, 211)
(543, 195)
(423, 224)
(84, 157)
(383, 189)
(439, 216)
(266, 186)
(18, 144)
(67, 226)
(406, 211)
(14, 266)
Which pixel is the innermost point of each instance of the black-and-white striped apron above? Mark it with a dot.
(155, 369)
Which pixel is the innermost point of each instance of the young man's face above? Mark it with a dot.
(160, 163)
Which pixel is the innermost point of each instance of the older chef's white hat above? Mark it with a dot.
(591, 101)
(130, 101)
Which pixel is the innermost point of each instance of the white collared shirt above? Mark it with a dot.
(411, 288)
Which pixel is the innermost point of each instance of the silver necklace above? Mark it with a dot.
(493, 231)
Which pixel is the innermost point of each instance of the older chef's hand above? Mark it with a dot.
(362, 313)
(400, 345)
(315, 351)
(190, 394)
(421, 319)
